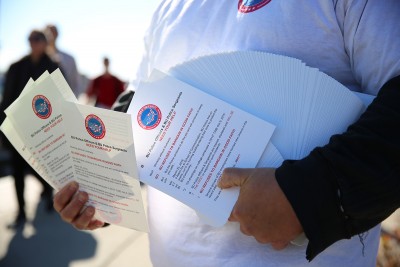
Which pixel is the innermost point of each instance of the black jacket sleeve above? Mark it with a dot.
(353, 183)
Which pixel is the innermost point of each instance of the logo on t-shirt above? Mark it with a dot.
(149, 117)
(41, 106)
(95, 126)
(247, 6)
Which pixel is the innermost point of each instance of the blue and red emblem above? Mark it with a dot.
(95, 126)
(247, 6)
(149, 117)
(41, 106)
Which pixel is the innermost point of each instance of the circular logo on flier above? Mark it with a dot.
(95, 126)
(41, 106)
(149, 117)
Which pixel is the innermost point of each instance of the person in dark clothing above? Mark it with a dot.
(18, 74)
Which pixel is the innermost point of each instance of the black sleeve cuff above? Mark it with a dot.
(315, 201)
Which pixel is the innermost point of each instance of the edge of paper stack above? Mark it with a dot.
(306, 105)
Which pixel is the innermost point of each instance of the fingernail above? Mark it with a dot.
(73, 186)
(89, 211)
(82, 197)
(99, 224)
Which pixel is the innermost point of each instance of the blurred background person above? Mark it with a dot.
(64, 60)
(30, 66)
(105, 88)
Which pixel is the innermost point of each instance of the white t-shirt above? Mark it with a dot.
(355, 42)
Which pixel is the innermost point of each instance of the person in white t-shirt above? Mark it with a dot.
(325, 194)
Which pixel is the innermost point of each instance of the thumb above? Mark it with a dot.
(233, 177)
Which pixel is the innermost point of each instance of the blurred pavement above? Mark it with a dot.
(47, 241)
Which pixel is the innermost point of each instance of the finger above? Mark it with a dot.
(64, 196)
(245, 230)
(279, 245)
(83, 220)
(232, 218)
(95, 224)
(262, 240)
(73, 208)
(233, 177)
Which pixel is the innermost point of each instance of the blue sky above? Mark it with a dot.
(89, 30)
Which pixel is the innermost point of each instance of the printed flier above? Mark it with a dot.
(103, 155)
(37, 117)
(184, 139)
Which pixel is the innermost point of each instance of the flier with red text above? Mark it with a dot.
(14, 138)
(37, 118)
(103, 155)
(184, 139)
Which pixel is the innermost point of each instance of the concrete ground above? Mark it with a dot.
(47, 241)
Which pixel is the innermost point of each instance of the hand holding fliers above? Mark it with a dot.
(53, 133)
